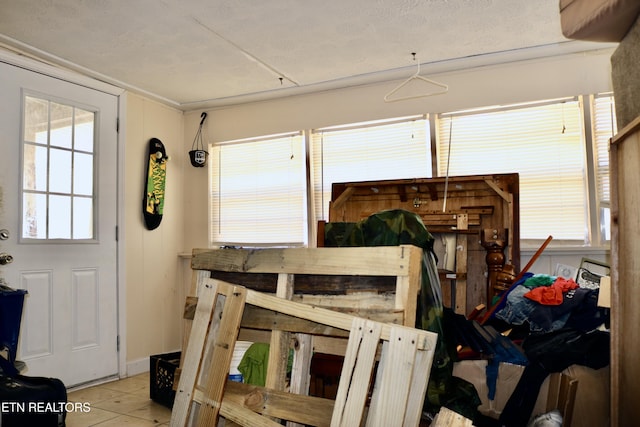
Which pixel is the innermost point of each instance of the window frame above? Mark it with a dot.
(94, 197)
(214, 164)
(593, 220)
(394, 127)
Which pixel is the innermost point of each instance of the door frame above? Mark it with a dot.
(27, 62)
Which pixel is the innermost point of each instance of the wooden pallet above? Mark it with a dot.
(388, 363)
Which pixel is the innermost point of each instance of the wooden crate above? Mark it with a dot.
(388, 362)
(480, 212)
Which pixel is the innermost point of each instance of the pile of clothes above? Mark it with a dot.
(549, 303)
(565, 327)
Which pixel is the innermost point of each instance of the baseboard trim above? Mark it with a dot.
(138, 366)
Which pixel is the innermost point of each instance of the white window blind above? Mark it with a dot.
(604, 127)
(543, 144)
(369, 151)
(258, 192)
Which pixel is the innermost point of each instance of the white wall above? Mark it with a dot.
(547, 78)
(154, 294)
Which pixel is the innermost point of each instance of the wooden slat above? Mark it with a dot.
(311, 284)
(461, 268)
(407, 287)
(474, 219)
(279, 344)
(244, 416)
(315, 314)
(193, 353)
(263, 319)
(317, 411)
(356, 373)
(340, 201)
(448, 418)
(418, 390)
(394, 378)
(301, 368)
(222, 350)
(377, 261)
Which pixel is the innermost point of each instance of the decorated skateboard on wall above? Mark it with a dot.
(153, 203)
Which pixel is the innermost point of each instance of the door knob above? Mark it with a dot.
(4, 234)
(5, 259)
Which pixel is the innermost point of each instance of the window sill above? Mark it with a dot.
(526, 250)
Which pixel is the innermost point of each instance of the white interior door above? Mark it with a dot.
(58, 174)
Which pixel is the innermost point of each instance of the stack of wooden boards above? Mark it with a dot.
(386, 367)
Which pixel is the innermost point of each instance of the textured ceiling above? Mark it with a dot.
(190, 52)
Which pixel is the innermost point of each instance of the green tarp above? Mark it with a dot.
(399, 227)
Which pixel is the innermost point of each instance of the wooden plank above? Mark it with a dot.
(300, 369)
(418, 391)
(461, 269)
(193, 353)
(376, 261)
(279, 344)
(263, 319)
(435, 220)
(625, 274)
(243, 416)
(317, 411)
(341, 200)
(356, 373)
(393, 380)
(218, 369)
(561, 396)
(329, 345)
(311, 284)
(448, 418)
(196, 277)
(407, 287)
(315, 314)
(352, 303)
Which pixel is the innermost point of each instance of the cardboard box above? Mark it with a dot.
(509, 374)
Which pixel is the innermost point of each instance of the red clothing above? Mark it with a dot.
(552, 295)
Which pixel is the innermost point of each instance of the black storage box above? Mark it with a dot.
(162, 370)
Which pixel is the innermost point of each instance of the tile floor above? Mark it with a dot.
(119, 403)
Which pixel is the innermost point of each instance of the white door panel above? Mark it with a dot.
(69, 324)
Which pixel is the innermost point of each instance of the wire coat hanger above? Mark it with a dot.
(443, 87)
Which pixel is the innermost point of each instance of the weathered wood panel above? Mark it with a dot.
(625, 275)
(488, 201)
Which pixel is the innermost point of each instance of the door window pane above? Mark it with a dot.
(83, 174)
(60, 167)
(36, 118)
(34, 174)
(61, 125)
(83, 131)
(34, 216)
(59, 217)
(82, 218)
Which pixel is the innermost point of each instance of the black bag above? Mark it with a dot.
(32, 401)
